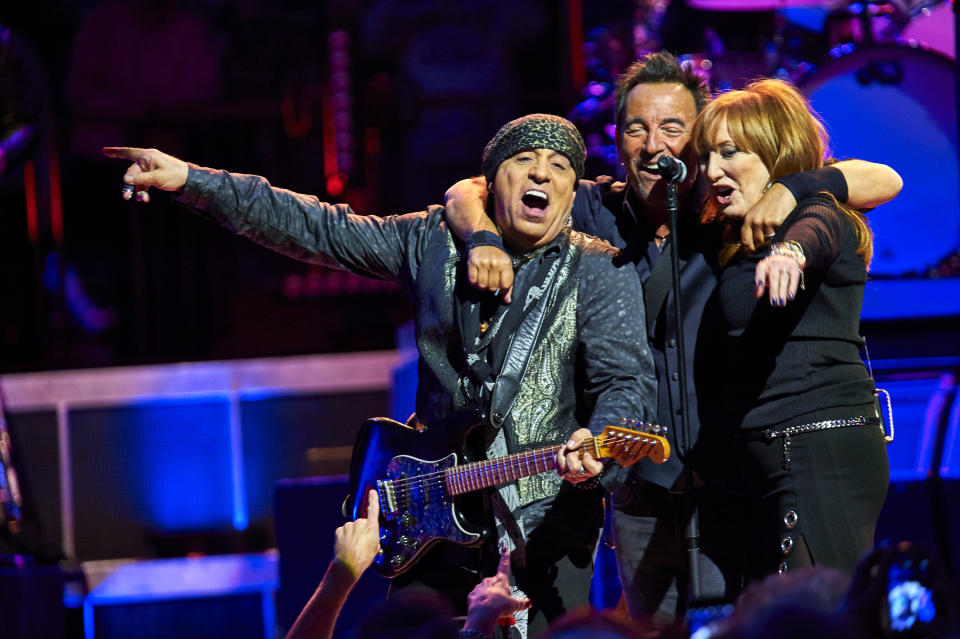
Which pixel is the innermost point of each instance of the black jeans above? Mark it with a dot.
(822, 507)
(649, 527)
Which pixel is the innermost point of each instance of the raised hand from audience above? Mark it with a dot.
(492, 600)
(354, 548)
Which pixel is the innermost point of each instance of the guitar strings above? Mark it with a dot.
(434, 485)
(514, 461)
(435, 480)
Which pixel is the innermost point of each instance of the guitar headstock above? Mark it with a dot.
(633, 441)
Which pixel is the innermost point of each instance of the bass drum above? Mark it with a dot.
(898, 105)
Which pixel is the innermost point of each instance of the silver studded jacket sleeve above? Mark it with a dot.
(304, 228)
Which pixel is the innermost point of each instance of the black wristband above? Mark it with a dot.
(485, 238)
(809, 183)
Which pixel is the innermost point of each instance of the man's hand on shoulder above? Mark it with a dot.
(766, 216)
(490, 269)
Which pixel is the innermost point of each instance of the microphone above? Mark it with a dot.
(672, 169)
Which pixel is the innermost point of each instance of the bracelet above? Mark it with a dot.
(484, 238)
(808, 183)
(792, 249)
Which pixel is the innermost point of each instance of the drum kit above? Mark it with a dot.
(884, 84)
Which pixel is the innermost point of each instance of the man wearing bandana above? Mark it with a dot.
(566, 358)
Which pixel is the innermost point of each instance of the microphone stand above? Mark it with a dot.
(693, 526)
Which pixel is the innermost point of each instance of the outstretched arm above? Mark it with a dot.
(297, 225)
(859, 184)
(354, 549)
(489, 268)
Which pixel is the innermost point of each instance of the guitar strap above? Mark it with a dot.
(505, 500)
(505, 503)
(522, 341)
(486, 350)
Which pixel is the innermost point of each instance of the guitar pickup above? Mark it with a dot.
(388, 497)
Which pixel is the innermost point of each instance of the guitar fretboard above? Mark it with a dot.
(483, 474)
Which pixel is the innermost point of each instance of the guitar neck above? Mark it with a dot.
(493, 472)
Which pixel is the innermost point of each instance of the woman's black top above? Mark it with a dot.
(782, 364)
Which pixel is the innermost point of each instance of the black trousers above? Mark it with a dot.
(650, 527)
(818, 508)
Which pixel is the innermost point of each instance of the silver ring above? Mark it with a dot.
(769, 234)
(581, 471)
(128, 188)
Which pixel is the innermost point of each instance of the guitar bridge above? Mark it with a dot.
(388, 498)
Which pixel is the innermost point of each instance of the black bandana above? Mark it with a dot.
(535, 131)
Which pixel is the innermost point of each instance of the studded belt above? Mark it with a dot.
(801, 429)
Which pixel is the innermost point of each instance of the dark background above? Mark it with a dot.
(379, 103)
(248, 86)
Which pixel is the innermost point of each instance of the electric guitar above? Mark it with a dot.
(419, 499)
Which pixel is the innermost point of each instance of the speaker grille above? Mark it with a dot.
(148, 471)
(234, 616)
(299, 436)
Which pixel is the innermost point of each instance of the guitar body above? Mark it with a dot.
(416, 510)
(424, 489)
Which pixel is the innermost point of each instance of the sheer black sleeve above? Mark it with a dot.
(818, 225)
